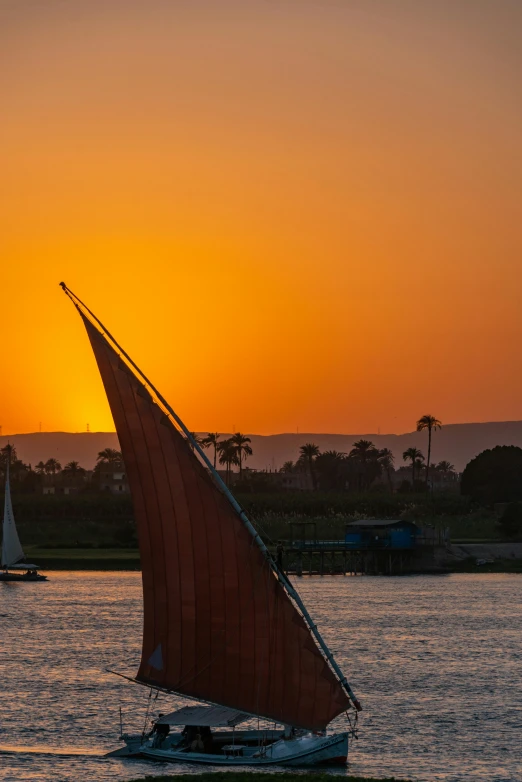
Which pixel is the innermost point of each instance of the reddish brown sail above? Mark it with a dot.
(218, 624)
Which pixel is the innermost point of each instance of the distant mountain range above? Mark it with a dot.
(457, 443)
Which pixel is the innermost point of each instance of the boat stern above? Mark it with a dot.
(132, 748)
(318, 750)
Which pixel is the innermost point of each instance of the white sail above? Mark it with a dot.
(12, 551)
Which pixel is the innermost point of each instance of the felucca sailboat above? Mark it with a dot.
(223, 625)
(12, 552)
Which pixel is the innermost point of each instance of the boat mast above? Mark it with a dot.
(293, 594)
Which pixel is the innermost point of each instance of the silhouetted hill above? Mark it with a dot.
(458, 443)
(81, 447)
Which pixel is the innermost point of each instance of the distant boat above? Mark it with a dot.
(13, 557)
(223, 624)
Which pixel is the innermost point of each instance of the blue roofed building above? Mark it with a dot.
(385, 533)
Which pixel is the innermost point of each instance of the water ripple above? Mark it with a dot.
(435, 660)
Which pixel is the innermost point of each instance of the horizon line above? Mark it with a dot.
(280, 434)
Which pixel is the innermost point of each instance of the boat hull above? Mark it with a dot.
(309, 750)
(22, 578)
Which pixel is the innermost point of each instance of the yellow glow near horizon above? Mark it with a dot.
(293, 214)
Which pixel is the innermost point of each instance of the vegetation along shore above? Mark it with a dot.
(73, 518)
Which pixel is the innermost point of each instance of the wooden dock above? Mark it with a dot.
(374, 547)
(335, 558)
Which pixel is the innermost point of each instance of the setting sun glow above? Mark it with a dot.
(290, 213)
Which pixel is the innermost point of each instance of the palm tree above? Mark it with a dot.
(386, 461)
(365, 455)
(310, 451)
(5, 459)
(40, 468)
(17, 468)
(73, 469)
(109, 455)
(287, 467)
(9, 449)
(52, 466)
(228, 456)
(330, 466)
(419, 467)
(334, 454)
(446, 469)
(7, 455)
(197, 439)
(364, 450)
(212, 440)
(243, 449)
(301, 465)
(430, 423)
(415, 456)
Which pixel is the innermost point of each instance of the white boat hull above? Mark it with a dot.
(307, 750)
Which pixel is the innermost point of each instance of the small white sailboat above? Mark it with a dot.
(12, 552)
(223, 624)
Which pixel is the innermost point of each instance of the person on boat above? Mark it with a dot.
(197, 744)
(289, 733)
(188, 733)
(160, 733)
(206, 738)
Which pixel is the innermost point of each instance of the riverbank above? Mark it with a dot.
(489, 557)
(129, 559)
(84, 559)
(252, 776)
(106, 521)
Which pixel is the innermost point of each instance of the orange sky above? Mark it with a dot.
(292, 213)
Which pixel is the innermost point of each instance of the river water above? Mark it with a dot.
(436, 661)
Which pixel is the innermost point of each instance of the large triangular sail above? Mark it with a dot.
(12, 551)
(219, 624)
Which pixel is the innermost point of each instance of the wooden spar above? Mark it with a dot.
(228, 494)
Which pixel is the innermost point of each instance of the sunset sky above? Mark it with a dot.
(291, 213)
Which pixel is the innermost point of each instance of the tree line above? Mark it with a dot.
(365, 463)
(30, 478)
(231, 452)
(329, 470)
